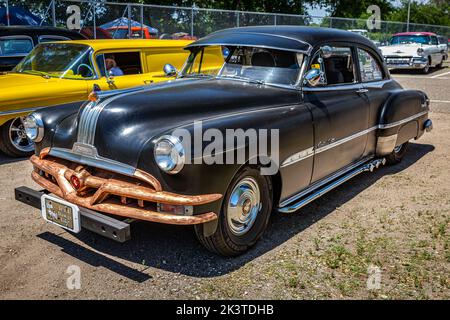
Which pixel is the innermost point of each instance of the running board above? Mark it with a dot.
(313, 195)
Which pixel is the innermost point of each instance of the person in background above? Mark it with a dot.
(112, 68)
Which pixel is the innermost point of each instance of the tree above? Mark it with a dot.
(437, 12)
(355, 9)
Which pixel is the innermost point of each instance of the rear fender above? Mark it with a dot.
(401, 119)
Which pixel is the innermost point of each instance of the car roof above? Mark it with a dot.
(103, 44)
(415, 34)
(39, 30)
(290, 38)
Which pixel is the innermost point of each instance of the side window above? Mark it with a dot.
(44, 39)
(123, 63)
(337, 66)
(369, 67)
(13, 46)
(434, 41)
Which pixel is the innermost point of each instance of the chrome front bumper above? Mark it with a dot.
(411, 63)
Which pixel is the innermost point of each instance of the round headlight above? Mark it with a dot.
(34, 127)
(420, 51)
(169, 154)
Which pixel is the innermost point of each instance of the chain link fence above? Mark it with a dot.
(194, 22)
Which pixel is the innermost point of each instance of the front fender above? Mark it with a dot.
(53, 117)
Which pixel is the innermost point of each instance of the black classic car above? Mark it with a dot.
(320, 103)
(17, 41)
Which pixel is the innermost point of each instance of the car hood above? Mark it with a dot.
(32, 91)
(11, 79)
(128, 122)
(401, 50)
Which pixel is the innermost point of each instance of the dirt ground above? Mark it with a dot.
(389, 230)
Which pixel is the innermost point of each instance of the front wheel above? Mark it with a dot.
(426, 70)
(244, 216)
(397, 155)
(13, 139)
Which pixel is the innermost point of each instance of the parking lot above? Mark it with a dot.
(394, 223)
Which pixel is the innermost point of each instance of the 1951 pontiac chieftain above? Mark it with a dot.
(323, 98)
(66, 71)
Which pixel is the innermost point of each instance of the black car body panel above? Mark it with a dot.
(322, 130)
(34, 34)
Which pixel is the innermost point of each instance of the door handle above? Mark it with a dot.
(361, 91)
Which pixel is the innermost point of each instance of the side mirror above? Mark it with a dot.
(312, 77)
(170, 70)
(110, 78)
(326, 51)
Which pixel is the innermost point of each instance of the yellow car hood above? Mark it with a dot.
(25, 91)
(10, 80)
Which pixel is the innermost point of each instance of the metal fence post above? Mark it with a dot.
(275, 19)
(54, 12)
(192, 21)
(331, 22)
(142, 21)
(238, 22)
(129, 20)
(7, 13)
(94, 21)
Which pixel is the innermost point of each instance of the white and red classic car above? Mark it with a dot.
(414, 50)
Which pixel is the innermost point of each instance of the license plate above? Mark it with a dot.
(61, 213)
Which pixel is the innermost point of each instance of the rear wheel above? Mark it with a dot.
(244, 216)
(440, 65)
(397, 155)
(13, 139)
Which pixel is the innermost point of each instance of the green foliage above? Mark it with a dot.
(435, 12)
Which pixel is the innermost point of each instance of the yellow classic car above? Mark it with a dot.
(67, 71)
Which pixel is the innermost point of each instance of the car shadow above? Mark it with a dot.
(4, 159)
(175, 249)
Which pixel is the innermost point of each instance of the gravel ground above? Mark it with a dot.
(392, 225)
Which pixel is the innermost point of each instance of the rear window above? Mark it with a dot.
(15, 46)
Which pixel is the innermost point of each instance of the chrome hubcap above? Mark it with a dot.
(398, 148)
(18, 137)
(243, 206)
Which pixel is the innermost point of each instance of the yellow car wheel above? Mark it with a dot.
(13, 139)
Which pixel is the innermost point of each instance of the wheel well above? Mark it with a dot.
(276, 188)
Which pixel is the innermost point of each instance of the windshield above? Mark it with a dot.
(410, 39)
(58, 60)
(251, 64)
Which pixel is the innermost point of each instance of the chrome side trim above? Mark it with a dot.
(304, 154)
(299, 156)
(344, 140)
(17, 111)
(93, 160)
(370, 166)
(324, 181)
(397, 123)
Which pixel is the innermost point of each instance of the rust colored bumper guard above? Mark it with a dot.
(132, 197)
